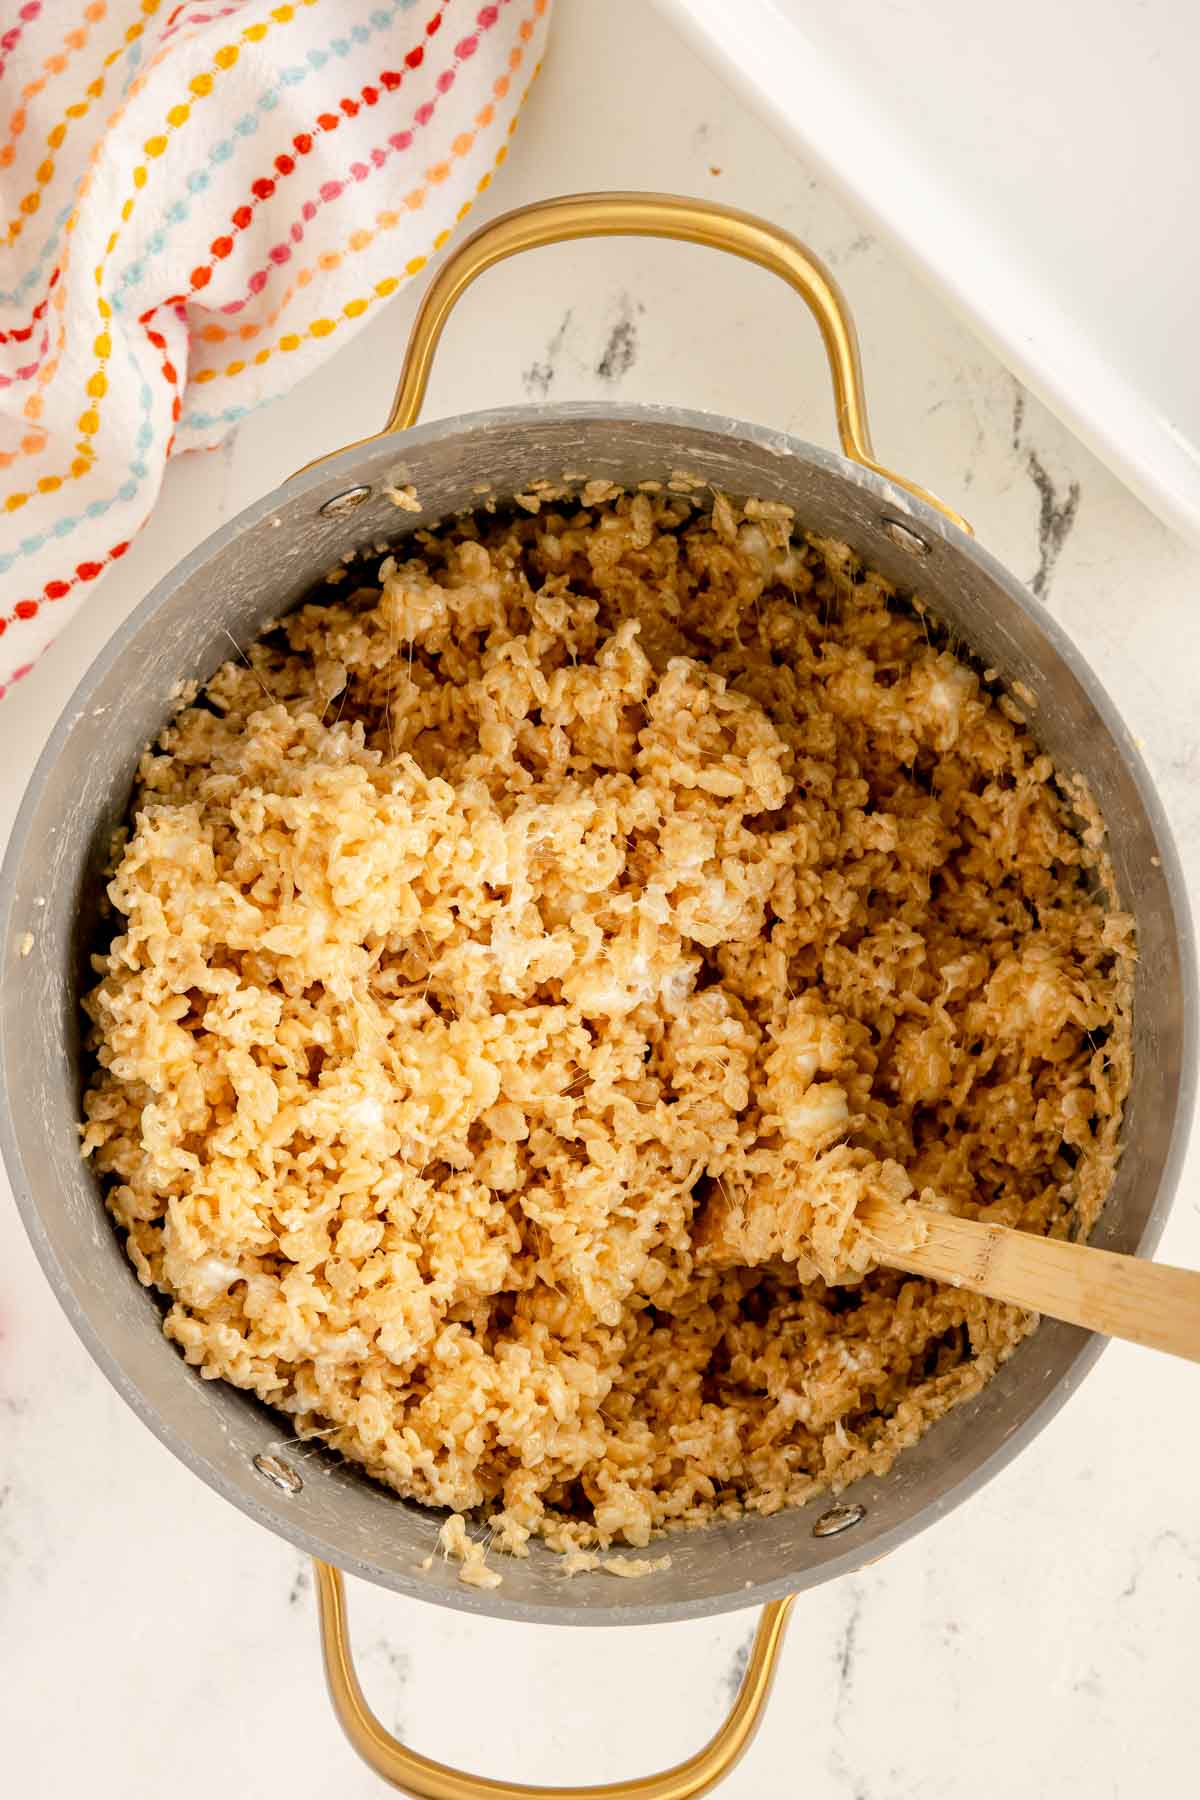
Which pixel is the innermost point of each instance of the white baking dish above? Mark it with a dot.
(1039, 163)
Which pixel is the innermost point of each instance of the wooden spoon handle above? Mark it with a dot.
(1120, 1296)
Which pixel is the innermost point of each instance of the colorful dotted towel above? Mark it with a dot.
(197, 202)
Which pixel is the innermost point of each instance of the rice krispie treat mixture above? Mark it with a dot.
(528, 961)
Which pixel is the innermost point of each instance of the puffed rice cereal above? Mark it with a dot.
(528, 957)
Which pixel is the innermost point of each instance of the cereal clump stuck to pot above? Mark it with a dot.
(529, 959)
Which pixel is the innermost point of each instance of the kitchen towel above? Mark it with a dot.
(198, 202)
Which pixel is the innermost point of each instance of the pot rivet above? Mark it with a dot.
(346, 502)
(838, 1518)
(280, 1473)
(905, 538)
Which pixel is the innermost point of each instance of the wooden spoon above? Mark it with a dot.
(1121, 1296)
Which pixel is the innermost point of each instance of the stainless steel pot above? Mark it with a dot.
(264, 561)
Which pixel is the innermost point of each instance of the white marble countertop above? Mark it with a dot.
(1042, 1640)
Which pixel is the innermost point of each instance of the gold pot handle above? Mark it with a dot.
(423, 1779)
(666, 216)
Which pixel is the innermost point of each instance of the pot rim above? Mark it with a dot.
(331, 474)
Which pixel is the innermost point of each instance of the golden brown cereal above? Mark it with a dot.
(471, 1555)
(526, 964)
(403, 497)
(627, 1568)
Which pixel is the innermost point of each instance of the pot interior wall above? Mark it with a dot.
(255, 569)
